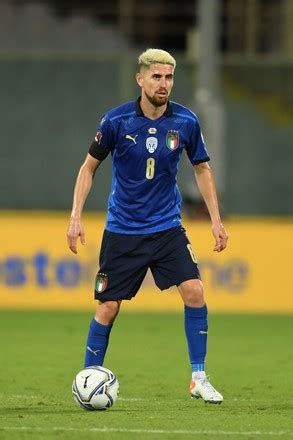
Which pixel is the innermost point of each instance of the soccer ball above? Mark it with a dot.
(95, 388)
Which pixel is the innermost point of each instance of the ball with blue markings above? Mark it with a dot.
(95, 388)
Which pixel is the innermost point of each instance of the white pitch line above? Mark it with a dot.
(158, 400)
(20, 396)
(152, 431)
(134, 399)
(123, 399)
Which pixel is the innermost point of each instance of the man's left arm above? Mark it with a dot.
(206, 184)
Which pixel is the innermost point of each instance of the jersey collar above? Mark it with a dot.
(168, 112)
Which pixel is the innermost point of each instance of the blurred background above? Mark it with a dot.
(64, 63)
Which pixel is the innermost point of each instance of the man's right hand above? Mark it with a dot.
(75, 230)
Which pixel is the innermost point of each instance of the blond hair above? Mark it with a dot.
(153, 56)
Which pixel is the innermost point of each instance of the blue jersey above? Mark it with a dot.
(144, 195)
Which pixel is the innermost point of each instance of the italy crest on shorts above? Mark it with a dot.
(172, 140)
(101, 282)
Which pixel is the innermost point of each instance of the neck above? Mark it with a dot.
(151, 111)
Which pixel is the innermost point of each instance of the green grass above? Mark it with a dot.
(249, 360)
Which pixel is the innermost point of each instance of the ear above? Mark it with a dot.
(139, 79)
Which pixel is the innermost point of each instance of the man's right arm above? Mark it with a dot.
(81, 190)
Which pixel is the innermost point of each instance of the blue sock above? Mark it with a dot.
(97, 343)
(196, 330)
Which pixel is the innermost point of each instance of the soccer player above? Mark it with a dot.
(143, 230)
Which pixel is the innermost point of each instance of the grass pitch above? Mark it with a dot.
(249, 360)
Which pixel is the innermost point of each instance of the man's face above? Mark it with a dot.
(156, 83)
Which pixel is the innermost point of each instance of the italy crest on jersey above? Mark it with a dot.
(172, 139)
(101, 282)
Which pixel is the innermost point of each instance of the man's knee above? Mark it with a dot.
(107, 311)
(192, 293)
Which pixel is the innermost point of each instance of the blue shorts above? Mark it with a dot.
(125, 259)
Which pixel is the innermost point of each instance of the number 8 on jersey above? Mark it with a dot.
(150, 168)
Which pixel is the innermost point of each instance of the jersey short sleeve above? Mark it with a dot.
(104, 140)
(196, 150)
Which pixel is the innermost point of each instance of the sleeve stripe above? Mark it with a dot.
(197, 162)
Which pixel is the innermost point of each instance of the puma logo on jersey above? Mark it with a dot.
(133, 139)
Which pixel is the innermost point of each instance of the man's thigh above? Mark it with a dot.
(123, 266)
(174, 259)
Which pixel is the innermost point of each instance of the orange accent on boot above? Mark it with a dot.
(192, 385)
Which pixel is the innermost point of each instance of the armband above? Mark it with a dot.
(97, 151)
